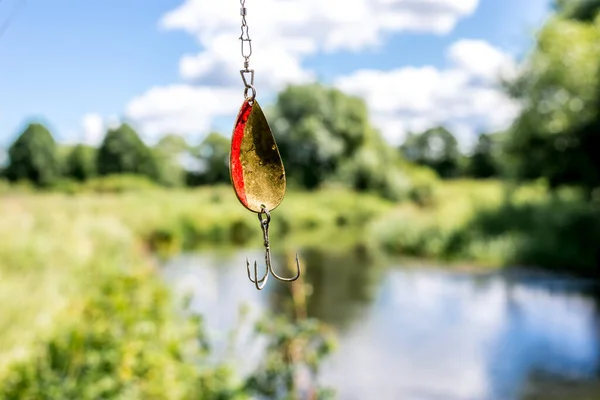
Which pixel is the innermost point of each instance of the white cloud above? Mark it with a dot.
(288, 31)
(182, 109)
(466, 96)
(94, 128)
(284, 34)
(481, 60)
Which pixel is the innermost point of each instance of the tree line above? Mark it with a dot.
(325, 136)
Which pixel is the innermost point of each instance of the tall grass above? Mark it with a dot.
(50, 254)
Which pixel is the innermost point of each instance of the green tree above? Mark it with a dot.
(436, 148)
(582, 10)
(557, 135)
(123, 152)
(482, 164)
(81, 163)
(213, 161)
(316, 128)
(167, 153)
(62, 155)
(325, 136)
(33, 157)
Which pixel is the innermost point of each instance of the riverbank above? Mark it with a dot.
(84, 314)
(60, 253)
(487, 223)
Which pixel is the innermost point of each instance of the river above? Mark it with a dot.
(420, 332)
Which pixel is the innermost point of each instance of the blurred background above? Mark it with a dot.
(443, 164)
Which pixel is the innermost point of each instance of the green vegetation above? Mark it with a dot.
(123, 152)
(489, 224)
(213, 155)
(84, 315)
(557, 135)
(81, 163)
(325, 136)
(435, 148)
(33, 157)
(485, 222)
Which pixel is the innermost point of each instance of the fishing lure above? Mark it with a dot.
(255, 165)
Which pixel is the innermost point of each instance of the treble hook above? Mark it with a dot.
(260, 283)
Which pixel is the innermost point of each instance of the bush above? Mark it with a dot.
(126, 343)
(484, 223)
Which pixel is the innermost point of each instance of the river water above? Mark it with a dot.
(419, 332)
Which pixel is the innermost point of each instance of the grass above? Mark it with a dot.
(49, 254)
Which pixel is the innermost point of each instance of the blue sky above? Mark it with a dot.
(63, 59)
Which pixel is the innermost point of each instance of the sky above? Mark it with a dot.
(172, 66)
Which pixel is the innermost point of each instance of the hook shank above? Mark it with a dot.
(260, 283)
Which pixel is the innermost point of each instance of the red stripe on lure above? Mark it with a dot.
(235, 162)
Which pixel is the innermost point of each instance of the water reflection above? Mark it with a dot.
(342, 285)
(421, 333)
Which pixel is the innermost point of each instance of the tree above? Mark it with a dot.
(81, 163)
(582, 10)
(213, 161)
(33, 157)
(325, 136)
(557, 135)
(436, 148)
(482, 164)
(123, 152)
(168, 152)
(316, 128)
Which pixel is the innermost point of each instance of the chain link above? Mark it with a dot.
(245, 36)
(246, 46)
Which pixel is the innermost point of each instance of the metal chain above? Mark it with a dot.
(246, 53)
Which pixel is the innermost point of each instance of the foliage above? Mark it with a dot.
(118, 184)
(436, 148)
(316, 128)
(292, 349)
(126, 343)
(81, 163)
(33, 157)
(559, 232)
(167, 156)
(213, 159)
(583, 10)
(424, 182)
(483, 162)
(295, 348)
(325, 136)
(63, 151)
(557, 135)
(487, 223)
(123, 152)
